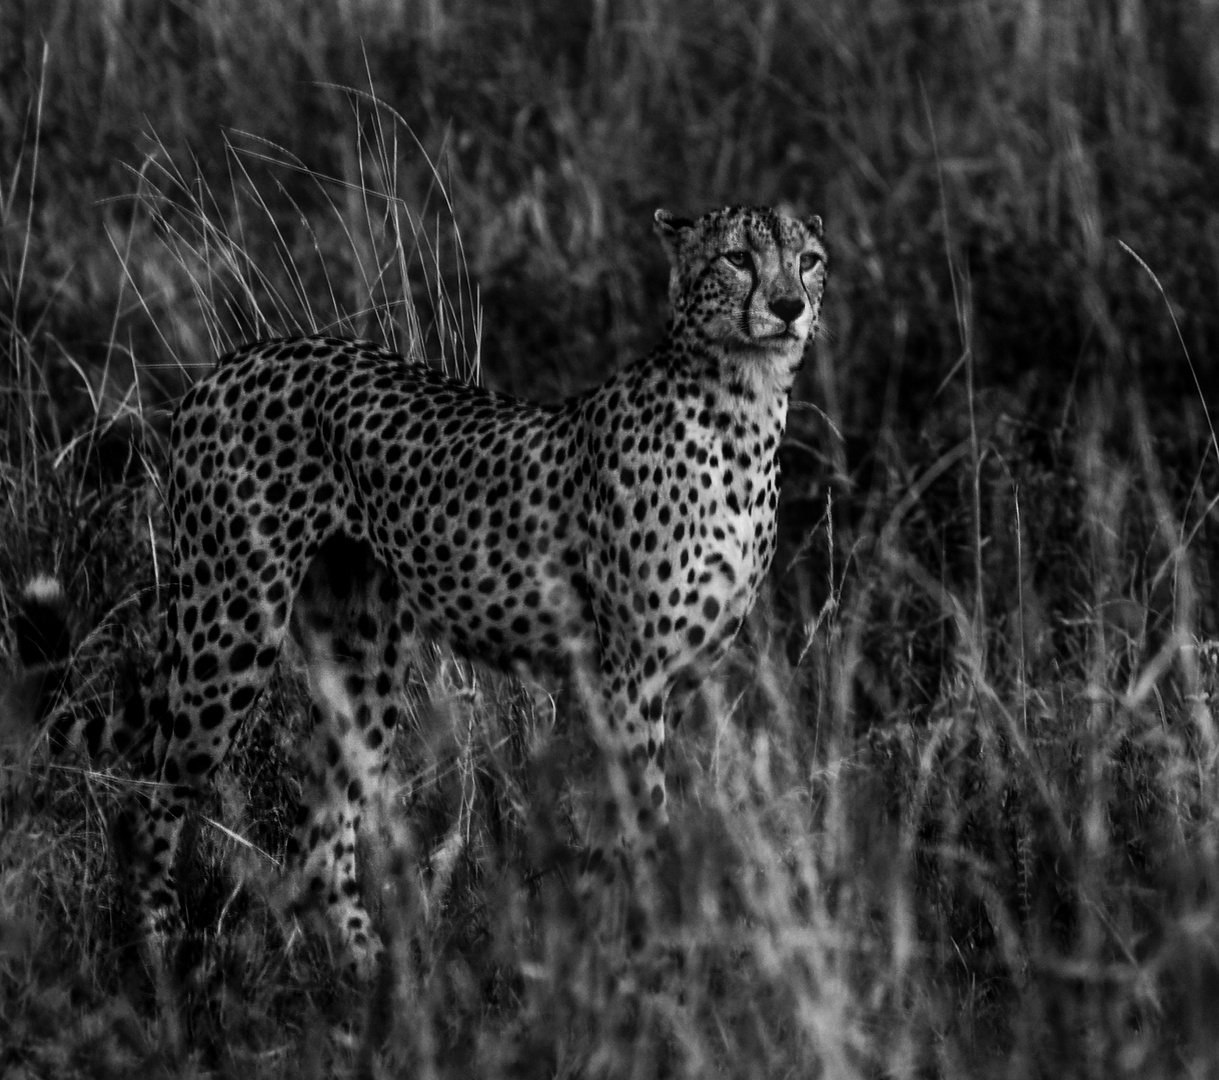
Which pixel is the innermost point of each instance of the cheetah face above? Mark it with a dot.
(752, 279)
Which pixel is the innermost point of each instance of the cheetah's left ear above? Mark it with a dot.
(813, 224)
(669, 228)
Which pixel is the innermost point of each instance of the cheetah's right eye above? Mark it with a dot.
(739, 259)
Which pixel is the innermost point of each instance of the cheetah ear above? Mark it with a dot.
(813, 224)
(669, 228)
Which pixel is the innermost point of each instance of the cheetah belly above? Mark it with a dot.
(494, 581)
(529, 610)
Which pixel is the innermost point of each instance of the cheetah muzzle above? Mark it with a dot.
(335, 491)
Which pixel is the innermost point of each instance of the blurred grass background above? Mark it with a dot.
(951, 808)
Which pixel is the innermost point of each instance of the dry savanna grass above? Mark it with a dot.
(950, 807)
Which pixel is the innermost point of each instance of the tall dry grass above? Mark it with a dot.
(949, 809)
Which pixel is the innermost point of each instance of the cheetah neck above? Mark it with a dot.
(753, 386)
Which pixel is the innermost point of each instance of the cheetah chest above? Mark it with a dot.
(681, 550)
(738, 540)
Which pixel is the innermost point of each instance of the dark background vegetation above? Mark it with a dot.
(951, 809)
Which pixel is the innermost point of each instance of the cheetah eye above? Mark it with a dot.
(808, 260)
(739, 259)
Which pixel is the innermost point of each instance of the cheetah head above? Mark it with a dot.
(750, 278)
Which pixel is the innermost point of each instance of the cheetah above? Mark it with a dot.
(362, 503)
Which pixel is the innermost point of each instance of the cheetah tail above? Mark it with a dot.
(32, 687)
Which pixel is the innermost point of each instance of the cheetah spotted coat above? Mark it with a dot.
(333, 490)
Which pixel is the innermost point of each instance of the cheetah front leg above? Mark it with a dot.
(631, 822)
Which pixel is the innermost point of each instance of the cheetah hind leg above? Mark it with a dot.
(346, 621)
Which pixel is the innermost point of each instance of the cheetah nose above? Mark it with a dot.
(788, 308)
